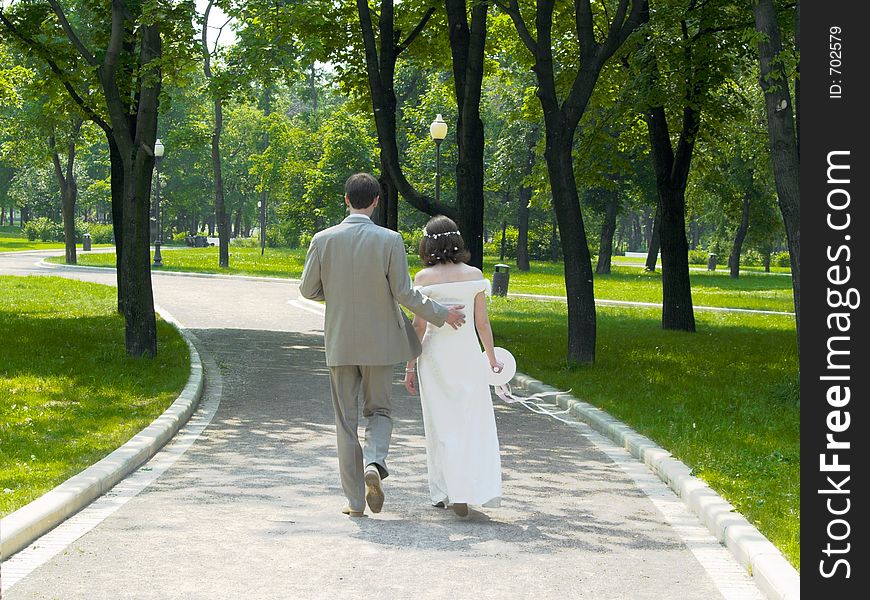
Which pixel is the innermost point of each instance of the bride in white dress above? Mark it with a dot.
(462, 452)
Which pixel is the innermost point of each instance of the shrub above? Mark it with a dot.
(412, 242)
(282, 235)
(241, 242)
(780, 259)
(493, 247)
(752, 258)
(43, 229)
(697, 257)
(101, 234)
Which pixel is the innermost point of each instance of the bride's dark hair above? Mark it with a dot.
(442, 242)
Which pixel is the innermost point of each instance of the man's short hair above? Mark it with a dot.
(361, 190)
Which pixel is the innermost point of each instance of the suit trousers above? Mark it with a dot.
(375, 383)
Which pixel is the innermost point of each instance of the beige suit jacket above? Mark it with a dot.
(361, 270)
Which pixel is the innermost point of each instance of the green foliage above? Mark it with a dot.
(43, 229)
(780, 259)
(698, 257)
(101, 234)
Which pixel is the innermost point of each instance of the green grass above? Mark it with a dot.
(13, 240)
(68, 393)
(641, 262)
(276, 262)
(752, 290)
(724, 400)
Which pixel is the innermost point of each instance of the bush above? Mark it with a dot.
(101, 234)
(282, 235)
(412, 242)
(250, 242)
(493, 247)
(697, 257)
(780, 259)
(43, 229)
(752, 258)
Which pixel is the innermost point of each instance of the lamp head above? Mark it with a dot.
(159, 148)
(438, 129)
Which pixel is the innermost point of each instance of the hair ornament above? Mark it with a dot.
(435, 236)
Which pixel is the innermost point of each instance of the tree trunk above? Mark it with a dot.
(139, 317)
(380, 70)
(217, 172)
(525, 196)
(766, 261)
(739, 236)
(672, 174)
(575, 248)
(783, 137)
(387, 213)
(68, 188)
(525, 199)
(237, 224)
(608, 228)
(652, 253)
(554, 241)
(694, 233)
(116, 169)
(467, 46)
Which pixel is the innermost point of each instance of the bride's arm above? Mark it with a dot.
(419, 324)
(484, 329)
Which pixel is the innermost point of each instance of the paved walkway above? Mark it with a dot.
(251, 509)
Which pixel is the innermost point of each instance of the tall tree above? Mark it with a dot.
(467, 46)
(218, 125)
(380, 63)
(118, 88)
(561, 119)
(68, 187)
(782, 130)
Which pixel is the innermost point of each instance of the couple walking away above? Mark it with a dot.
(361, 271)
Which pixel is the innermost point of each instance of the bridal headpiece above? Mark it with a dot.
(435, 236)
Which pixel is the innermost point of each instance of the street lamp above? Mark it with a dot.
(159, 149)
(438, 131)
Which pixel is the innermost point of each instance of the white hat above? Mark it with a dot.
(508, 371)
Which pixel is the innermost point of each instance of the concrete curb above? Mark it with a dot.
(29, 522)
(772, 573)
(45, 263)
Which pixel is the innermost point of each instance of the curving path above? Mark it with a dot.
(250, 507)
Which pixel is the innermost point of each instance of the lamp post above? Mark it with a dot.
(159, 149)
(438, 131)
(262, 208)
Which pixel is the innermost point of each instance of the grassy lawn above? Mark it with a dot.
(12, 240)
(68, 394)
(724, 400)
(640, 262)
(752, 290)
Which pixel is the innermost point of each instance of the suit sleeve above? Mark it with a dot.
(311, 286)
(404, 292)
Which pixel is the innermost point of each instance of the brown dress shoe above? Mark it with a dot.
(374, 491)
(353, 513)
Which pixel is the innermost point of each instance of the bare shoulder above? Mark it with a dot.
(475, 271)
(423, 277)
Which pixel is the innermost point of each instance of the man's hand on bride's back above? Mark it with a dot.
(456, 316)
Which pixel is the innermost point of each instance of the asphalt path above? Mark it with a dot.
(249, 506)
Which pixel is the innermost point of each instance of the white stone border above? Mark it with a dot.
(20, 528)
(773, 574)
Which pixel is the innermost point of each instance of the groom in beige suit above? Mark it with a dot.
(361, 271)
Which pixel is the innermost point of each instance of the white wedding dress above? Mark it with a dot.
(462, 452)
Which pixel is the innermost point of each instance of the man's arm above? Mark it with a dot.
(405, 294)
(311, 286)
